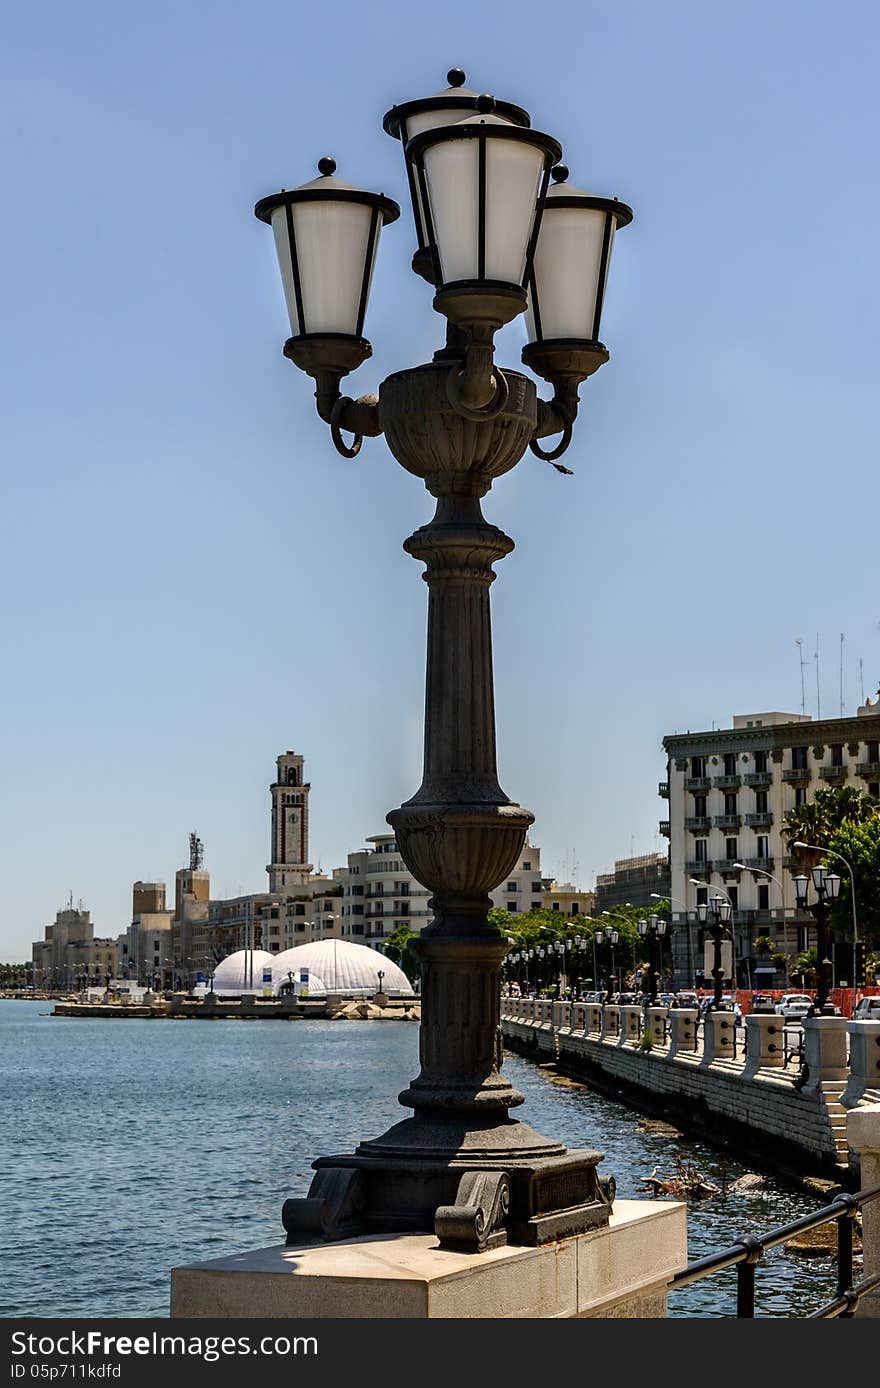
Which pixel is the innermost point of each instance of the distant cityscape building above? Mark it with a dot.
(729, 791)
(70, 956)
(290, 825)
(633, 882)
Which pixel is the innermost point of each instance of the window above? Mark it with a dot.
(730, 849)
(299, 909)
(512, 887)
(733, 894)
(874, 789)
(536, 886)
(556, 906)
(700, 850)
(730, 763)
(512, 907)
(760, 762)
(874, 751)
(527, 867)
(763, 846)
(574, 908)
(698, 766)
(702, 896)
(357, 910)
(760, 802)
(800, 795)
(730, 802)
(837, 754)
(699, 806)
(799, 759)
(536, 905)
(764, 897)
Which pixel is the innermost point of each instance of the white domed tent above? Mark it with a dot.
(344, 968)
(232, 975)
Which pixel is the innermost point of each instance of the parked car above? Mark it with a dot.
(598, 995)
(868, 1010)
(665, 999)
(794, 1006)
(686, 998)
(624, 999)
(763, 1002)
(728, 1003)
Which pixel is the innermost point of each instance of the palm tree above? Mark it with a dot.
(817, 821)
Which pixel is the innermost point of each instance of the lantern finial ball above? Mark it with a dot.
(485, 105)
(560, 173)
(455, 77)
(326, 166)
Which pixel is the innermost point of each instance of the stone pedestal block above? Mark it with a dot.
(766, 1043)
(620, 1270)
(824, 1050)
(864, 1064)
(863, 1138)
(682, 1029)
(656, 1023)
(630, 1024)
(594, 1018)
(560, 1014)
(610, 1021)
(719, 1035)
(579, 1017)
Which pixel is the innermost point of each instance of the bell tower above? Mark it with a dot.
(290, 825)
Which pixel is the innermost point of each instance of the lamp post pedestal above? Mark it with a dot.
(461, 1165)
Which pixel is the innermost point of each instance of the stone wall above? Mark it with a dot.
(761, 1109)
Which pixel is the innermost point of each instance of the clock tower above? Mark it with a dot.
(290, 825)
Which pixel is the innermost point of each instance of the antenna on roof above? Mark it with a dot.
(800, 645)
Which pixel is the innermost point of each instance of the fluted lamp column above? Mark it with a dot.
(462, 1164)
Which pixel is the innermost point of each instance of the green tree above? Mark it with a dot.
(859, 843)
(804, 968)
(831, 808)
(399, 948)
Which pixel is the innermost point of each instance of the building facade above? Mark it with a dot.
(70, 956)
(635, 881)
(290, 866)
(729, 791)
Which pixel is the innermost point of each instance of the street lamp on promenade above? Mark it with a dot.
(826, 886)
(652, 930)
(722, 915)
(494, 240)
(832, 853)
(762, 872)
(609, 935)
(676, 901)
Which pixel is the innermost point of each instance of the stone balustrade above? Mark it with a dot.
(765, 1043)
(630, 1024)
(863, 1084)
(719, 1037)
(682, 1030)
(655, 1021)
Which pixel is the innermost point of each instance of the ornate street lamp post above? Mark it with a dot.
(652, 929)
(722, 914)
(492, 242)
(826, 886)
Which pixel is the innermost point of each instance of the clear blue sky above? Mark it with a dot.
(193, 581)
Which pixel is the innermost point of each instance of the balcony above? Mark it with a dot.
(760, 819)
(869, 768)
(796, 773)
(696, 782)
(701, 867)
(699, 823)
(758, 778)
(728, 821)
(727, 866)
(763, 864)
(727, 782)
(664, 828)
(663, 789)
(833, 773)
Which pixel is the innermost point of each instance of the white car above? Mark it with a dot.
(868, 1010)
(794, 1006)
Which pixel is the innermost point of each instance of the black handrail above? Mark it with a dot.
(747, 1252)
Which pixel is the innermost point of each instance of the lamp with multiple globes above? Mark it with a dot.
(478, 178)
(826, 888)
(721, 912)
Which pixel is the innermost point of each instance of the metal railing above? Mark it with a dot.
(747, 1252)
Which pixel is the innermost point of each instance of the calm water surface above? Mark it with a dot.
(129, 1148)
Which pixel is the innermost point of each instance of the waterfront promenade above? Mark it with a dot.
(753, 1087)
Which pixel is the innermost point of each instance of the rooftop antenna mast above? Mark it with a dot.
(800, 645)
(196, 852)
(818, 697)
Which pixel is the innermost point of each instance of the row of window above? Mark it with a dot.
(731, 849)
(699, 766)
